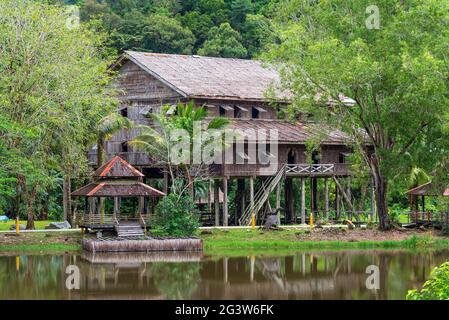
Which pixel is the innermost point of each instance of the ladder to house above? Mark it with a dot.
(261, 197)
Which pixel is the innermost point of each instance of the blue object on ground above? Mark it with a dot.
(4, 218)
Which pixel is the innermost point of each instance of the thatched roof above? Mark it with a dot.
(290, 132)
(209, 77)
(117, 168)
(428, 189)
(117, 188)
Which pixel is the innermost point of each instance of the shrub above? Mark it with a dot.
(436, 288)
(176, 216)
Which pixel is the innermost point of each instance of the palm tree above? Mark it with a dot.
(106, 128)
(155, 140)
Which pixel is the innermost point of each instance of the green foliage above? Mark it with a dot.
(176, 216)
(436, 288)
(53, 91)
(172, 26)
(398, 80)
(223, 41)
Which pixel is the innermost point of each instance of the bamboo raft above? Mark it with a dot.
(143, 244)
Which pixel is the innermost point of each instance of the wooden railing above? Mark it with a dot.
(309, 169)
(111, 219)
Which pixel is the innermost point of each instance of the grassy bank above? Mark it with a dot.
(40, 225)
(293, 239)
(242, 241)
(55, 241)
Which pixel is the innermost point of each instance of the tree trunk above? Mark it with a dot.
(66, 187)
(381, 187)
(100, 151)
(30, 208)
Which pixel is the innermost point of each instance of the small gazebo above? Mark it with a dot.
(427, 189)
(115, 179)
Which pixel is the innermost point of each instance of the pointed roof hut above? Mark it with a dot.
(116, 179)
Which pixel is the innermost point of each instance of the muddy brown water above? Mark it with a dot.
(291, 275)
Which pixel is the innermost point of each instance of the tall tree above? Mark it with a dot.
(52, 94)
(223, 42)
(391, 58)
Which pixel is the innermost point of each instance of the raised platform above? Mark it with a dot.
(142, 244)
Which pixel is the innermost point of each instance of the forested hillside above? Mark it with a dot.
(225, 28)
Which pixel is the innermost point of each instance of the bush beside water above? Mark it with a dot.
(176, 216)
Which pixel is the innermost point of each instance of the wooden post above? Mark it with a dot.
(225, 201)
(116, 207)
(326, 197)
(239, 200)
(278, 202)
(303, 201)
(217, 202)
(251, 197)
(337, 202)
(289, 200)
(312, 197)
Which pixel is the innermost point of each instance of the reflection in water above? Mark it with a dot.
(311, 275)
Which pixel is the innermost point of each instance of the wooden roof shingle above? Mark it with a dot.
(210, 77)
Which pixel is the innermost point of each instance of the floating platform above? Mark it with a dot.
(142, 244)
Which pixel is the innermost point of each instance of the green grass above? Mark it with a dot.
(287, 239)
(40, 225)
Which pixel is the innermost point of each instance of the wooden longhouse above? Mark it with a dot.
(235, 89)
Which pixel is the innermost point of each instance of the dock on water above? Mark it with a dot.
(142, 244)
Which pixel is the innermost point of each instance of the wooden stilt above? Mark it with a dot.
(326, 197)
(278, 202)
(217, 202)
(303, 201)
(289, 201)
(251, 196)
(337, 202)
(239, 203)
(225, 201)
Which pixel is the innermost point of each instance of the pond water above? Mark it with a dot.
(291, 275)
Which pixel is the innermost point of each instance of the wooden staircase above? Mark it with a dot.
(129, 229)
(261, 198)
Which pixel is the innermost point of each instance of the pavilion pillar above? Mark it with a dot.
(326, 197)
(303, 201)
(117, 207)
(217, 202)
(141, 205)
(225, 201)
(251, 195)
